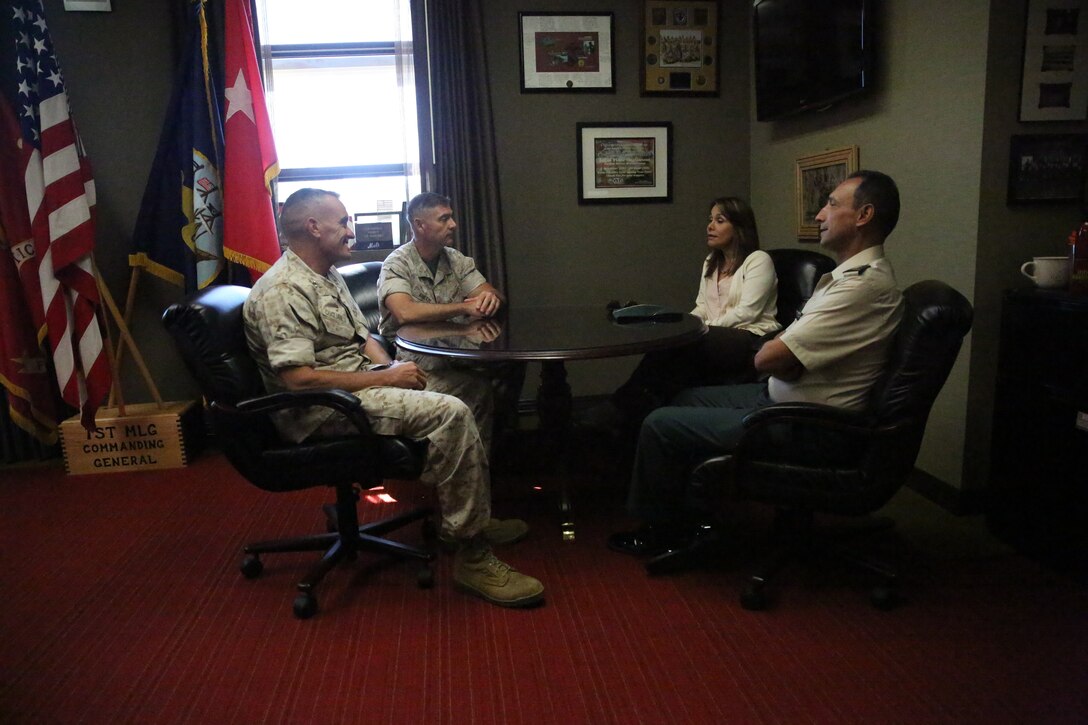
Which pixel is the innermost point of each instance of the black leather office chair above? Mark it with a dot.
(209, 333)
(805, 459)
(362, 281)
(798, 271)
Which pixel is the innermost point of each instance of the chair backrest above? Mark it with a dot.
(209, 333)
(362, 281)
(798, 271)
(935, 320)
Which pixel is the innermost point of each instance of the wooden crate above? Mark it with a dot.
(146, 438)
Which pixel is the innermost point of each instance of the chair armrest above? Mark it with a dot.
(815, 413)
(807, 434)
(339, 400)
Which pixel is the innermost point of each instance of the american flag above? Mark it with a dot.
(60, 205)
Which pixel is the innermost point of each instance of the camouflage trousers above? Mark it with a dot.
(473, 388)
(456, 466)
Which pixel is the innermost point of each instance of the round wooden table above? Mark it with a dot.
(551, 335)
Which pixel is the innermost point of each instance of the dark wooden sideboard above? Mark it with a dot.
(1038, 497)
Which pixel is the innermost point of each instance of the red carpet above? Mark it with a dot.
(122, 602)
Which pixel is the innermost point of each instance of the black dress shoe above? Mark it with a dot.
(648, 540)
(700, 542)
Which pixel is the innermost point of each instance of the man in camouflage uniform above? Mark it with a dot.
(306, 332)
(427, 280)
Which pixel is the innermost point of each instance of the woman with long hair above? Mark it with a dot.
(738, 295)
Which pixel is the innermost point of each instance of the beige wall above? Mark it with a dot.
(922, 125)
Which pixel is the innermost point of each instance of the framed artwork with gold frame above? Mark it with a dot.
(817, 176)
(679, 48)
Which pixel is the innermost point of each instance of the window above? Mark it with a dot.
(342, 99)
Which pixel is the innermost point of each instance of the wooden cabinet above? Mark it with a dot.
(1038, 496)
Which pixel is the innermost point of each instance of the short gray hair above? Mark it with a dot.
(298, 208)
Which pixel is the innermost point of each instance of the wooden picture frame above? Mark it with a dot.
(1047, 168)
(567, 52)
(679, 48)
(624, 162)
(1054, 85)
(816, 177)
(98, 6)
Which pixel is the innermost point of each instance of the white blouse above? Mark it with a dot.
(748, 300)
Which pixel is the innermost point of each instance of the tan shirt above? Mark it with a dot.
(844, 334)
(405, 271)
(295, 317)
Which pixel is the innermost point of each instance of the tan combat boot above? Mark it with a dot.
(477, 571)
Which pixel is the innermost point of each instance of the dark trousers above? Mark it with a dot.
(700, 423)
(722, 356)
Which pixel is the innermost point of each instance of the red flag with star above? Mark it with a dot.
(250, 165)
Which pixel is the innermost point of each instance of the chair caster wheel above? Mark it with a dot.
(753, 599)
(305, 605)
(884, 598)
(251, 567)
(425, 577)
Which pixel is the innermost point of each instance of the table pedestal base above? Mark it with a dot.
(554, 406)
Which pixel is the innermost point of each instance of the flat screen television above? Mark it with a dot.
(810, 53)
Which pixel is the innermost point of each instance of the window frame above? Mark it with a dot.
(326, 51)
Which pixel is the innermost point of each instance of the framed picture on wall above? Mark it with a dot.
(624, 162)
(679, 48)
(1054, 85)
(816, 177)
(101, 6)
(1047, 168)
(564, 52)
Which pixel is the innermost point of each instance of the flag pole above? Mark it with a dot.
(116, 395)
(130, 304)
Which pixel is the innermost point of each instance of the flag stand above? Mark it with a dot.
(133, 437)
(130, 301)
(126, 338)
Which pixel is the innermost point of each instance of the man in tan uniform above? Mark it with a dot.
(427, 280)
(306, 332)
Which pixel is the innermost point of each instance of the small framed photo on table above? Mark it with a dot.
(564, 52)
(816, 177)
(624, 162)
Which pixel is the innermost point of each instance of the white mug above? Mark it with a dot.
(1047, 272)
